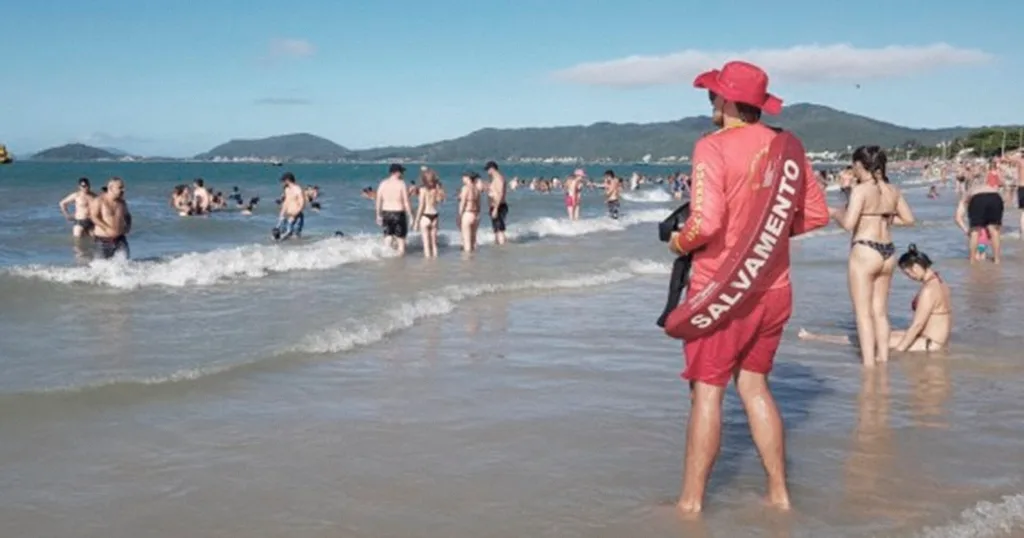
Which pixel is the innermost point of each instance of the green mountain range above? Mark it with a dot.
(75, 152)
(291, 147)
(820, 127)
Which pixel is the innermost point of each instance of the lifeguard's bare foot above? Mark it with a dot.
(778, 500)
(688, 510)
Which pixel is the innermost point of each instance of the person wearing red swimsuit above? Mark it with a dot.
(724, 189)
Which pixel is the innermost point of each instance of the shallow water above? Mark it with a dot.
(230, 386)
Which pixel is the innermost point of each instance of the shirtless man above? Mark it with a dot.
(982, 205)
(292, 204)
(612, 190)
(200, 198)
(111, 219)
(1018, 160)
(496, 195)
(82, 199)
(393, 208)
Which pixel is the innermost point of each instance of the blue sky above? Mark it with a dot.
(176, 78)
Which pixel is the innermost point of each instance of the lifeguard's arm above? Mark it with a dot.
(63, 205)
(904, 216)
(848, 218)
(925, 305)
(707, 200)
(813, 212)
(961, 215)
(127, 219)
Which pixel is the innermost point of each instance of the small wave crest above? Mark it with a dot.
(652, 196)
(257, 261)
(362, 332)
(207, 268)
(984, 520)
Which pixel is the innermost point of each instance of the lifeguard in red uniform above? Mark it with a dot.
(752, 190)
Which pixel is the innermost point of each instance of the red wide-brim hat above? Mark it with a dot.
(740, 82)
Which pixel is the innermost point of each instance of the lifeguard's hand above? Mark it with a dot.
(673, 245)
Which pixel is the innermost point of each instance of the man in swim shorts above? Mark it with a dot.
(743, 347)
(393, 208)
(291, 216)
(496, 195)
(82, 198)
(112, 220)
(612, 191)
(985, 208)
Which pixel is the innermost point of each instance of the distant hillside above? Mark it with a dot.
(74, 152)
(118, 152)
(291, 147)
(820, 127)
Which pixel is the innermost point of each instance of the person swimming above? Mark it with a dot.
(932, 308)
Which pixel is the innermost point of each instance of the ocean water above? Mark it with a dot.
(223, 385)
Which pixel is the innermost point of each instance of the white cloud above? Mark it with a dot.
(291, 48)
(804, 63)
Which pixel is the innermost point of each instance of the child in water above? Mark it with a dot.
(984, 245)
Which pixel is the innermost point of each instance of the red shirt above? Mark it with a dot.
(994, 179)
(725, 177)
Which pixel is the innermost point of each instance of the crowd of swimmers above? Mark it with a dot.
(392, 199)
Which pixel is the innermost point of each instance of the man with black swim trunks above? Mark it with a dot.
(393, 208)
(612, 190)
(82, 198)
(113, 222)
(984, 206)
(496, 195)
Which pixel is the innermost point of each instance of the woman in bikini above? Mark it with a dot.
(873, 207)
(468, 217)
(573, 192)
(932, 307)
(426, 215)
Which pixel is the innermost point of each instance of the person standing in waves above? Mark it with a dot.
(726, 186)
(111, 219)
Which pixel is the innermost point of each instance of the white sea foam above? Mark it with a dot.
(207, 268)
(650, 196)
(985, 520)
(363, 331)
(257, 261)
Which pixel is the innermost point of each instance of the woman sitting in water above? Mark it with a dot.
(426, 216)
(932, 324)
(874, 205)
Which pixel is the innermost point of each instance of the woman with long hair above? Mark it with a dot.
(874, 206)
(468, 216)
(426, 215)
(932, 308)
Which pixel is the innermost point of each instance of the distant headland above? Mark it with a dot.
(827, 133)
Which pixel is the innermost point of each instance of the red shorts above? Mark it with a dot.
(746, 343)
